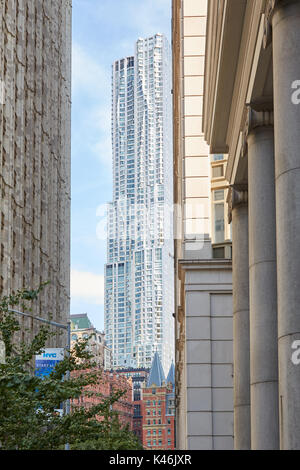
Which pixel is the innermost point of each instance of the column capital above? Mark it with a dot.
(264, 118)
(237, 196)
(255, 119)
(269, 12)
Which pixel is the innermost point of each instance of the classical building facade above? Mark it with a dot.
(252, 113)
(203, 283)
(82, 328)
(139, 271)
(35, 102)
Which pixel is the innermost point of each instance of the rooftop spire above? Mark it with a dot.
(156, 375)
(171, 374)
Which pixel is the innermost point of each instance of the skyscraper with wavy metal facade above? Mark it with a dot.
(139, 270)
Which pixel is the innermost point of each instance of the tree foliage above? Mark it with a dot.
(28, 420)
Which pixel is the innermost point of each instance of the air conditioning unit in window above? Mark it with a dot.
(222, 250)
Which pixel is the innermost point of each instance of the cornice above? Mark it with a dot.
(204, 264)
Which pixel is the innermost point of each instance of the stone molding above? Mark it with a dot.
(237, 196)
(268, 22)
(269, 12)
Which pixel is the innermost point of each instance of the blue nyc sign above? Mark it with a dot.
(45, 362)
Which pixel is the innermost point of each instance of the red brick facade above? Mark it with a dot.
(111, 381)
(158, 417)
(139, 377)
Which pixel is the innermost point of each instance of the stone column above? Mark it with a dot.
(262, 281)
(241, 338)
(284, 16)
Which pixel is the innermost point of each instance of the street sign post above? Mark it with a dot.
(42, 367)
(45, 362)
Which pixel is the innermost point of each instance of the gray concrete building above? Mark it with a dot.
(252, 113)
(203, 278)
(35, 102)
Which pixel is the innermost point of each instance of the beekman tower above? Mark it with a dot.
(139, 270)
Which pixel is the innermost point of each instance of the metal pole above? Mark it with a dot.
(43, 320)
(67, 446)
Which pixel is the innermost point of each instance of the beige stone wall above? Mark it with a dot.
(35, 68)
(204, 398)
(191, 171)
(196, 162)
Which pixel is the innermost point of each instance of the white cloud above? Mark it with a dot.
(87, 74)
(92, 81)
(87, 286)
(146, 17)
(101, 118)
(148, 14)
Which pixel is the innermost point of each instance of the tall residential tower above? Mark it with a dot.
(139, 270)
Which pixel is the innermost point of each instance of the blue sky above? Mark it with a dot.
(103, 31)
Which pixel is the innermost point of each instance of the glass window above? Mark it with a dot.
(109, 270)
(219, 223)
(217, 156)
(217, 171)
(219, 195)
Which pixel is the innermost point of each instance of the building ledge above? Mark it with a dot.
(205, 264)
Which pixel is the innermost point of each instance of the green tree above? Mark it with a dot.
(28, 420)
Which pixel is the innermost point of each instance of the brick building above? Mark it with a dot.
(111, 381)
(158, 408)
(139, 377)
